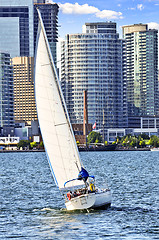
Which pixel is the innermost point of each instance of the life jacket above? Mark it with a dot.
(69, 196)
(92, 187)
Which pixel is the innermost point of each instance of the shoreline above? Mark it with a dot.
(22, 151)
(81, 150)
(135, 149)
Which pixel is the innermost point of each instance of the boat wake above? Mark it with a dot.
(47, 209)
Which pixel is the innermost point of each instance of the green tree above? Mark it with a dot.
(23, 143)
(133, 142)
(154, 141)
(129, 140)
(93, 136)
(144, 136)
(33, 144)
(124, 143)
(142, 143)
(41, 145)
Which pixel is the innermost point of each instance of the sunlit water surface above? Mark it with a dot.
(32, 207)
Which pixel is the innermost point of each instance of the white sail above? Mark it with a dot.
(53, 119)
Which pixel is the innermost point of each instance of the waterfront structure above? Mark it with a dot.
(142, 70)
(24, 99)
(6, 91)
(9, 143)
(94, 61)
(16, 27)
(144, 125)
(28, 132)
(49, 13)
(148, 125)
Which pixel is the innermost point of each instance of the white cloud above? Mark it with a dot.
(108, 14)
(140, 7)
(153, 25)
(69, 8)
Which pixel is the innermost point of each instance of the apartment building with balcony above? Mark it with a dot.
(94, 61)
(142, 70)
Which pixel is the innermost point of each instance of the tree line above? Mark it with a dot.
(139, 141)
(26, 144)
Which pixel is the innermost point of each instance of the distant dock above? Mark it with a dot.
(110, 147)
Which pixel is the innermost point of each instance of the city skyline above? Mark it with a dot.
(102, 65)
(74, 14)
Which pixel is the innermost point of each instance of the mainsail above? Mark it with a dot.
(53, 118)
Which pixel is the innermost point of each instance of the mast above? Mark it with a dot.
(85, 116)
(103, 127)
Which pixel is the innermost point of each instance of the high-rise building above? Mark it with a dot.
(6, 91)
(16, 27)
(24, 100)
(142, 70)
(94, 61)
(49, 13)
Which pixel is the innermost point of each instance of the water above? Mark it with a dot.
(32, 208)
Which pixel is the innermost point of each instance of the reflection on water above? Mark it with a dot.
(32, 207)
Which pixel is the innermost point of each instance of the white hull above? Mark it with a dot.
(103, 199)
(90, 200)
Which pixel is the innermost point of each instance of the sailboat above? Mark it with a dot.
(78, 188)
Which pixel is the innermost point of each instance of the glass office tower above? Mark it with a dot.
(94, 61)
(16, 27)
(6, 91)
(142, 70)
(49, 13)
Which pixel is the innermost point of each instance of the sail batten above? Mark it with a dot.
(53, 118)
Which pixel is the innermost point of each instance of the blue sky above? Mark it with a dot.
(73, 14)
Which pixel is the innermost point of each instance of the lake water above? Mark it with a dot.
(32, 208)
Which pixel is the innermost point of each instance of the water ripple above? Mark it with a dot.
(32, 208)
